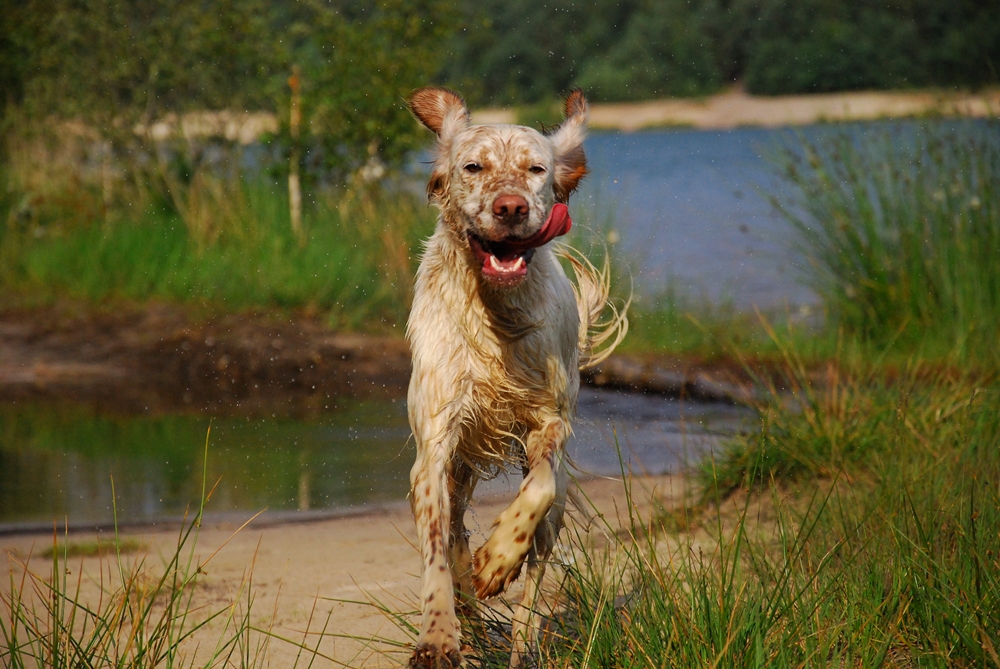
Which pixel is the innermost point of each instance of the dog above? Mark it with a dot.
(498, 335)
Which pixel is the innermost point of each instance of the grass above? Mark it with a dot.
(902, 225)
(69, 549)
(673, 324)
(900, 221)
(875, 543)
(857, 525)
(235, 252)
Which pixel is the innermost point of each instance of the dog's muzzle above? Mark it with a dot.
(505, 262)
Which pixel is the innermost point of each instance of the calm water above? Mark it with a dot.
(58, 462)
(689, 209)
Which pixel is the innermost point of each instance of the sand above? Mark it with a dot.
(736, 108)
(300, 568)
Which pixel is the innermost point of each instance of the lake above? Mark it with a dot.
(688, 209)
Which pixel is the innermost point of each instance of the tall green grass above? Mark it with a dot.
(902, 226)
(883, 550)
(234, 249)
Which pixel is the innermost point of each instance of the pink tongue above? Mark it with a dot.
(557, 224)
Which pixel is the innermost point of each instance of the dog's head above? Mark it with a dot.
(497, 184)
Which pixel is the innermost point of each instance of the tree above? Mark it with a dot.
(360, 61)
(665, 51)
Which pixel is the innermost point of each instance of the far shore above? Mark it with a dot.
(736, 108)
(730, 109)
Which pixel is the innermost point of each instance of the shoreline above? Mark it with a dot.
(735, 108)
(340, 574)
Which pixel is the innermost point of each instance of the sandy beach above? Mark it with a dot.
(300, 570)
(736, 108)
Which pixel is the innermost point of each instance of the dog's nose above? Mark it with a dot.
(511, 208)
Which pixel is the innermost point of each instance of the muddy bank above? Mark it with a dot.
(164, 358)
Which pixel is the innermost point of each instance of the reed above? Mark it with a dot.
(901, 223)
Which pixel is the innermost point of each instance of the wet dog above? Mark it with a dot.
(498, 334)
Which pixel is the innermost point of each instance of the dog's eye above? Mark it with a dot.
(473, 168)
(536, 169)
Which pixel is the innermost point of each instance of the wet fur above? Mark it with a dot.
(495, 368)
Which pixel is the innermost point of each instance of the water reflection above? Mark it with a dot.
(58, 461)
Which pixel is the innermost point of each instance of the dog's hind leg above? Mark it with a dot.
(498, 562)
(438, 643)
(461, 482)
(524, 626)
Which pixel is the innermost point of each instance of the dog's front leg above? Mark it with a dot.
(524, 625)
(438, 643)
(498, 562)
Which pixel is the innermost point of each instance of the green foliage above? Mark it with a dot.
(801, 47)
(360, 62)
(116, 64)
(665, 51)
(902, 228)
(825, 45)
(356, 267)
(525, 52)
(117, 69)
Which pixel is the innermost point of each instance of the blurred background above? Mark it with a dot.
(214, 209)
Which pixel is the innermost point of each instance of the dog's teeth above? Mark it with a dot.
(495, 264)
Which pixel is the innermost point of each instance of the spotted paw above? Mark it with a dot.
(428, 656)
(494, 569)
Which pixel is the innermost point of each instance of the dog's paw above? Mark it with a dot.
(429, 656)
(497, 564)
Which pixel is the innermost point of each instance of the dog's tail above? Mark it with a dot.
(599, 334)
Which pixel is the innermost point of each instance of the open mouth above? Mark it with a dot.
(505, 262)
(501, 262)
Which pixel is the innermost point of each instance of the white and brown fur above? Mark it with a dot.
(495, 366)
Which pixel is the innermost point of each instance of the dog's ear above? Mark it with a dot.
(571, 163)
(441, 110)
(444, 112)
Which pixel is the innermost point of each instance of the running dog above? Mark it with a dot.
(498, 334)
